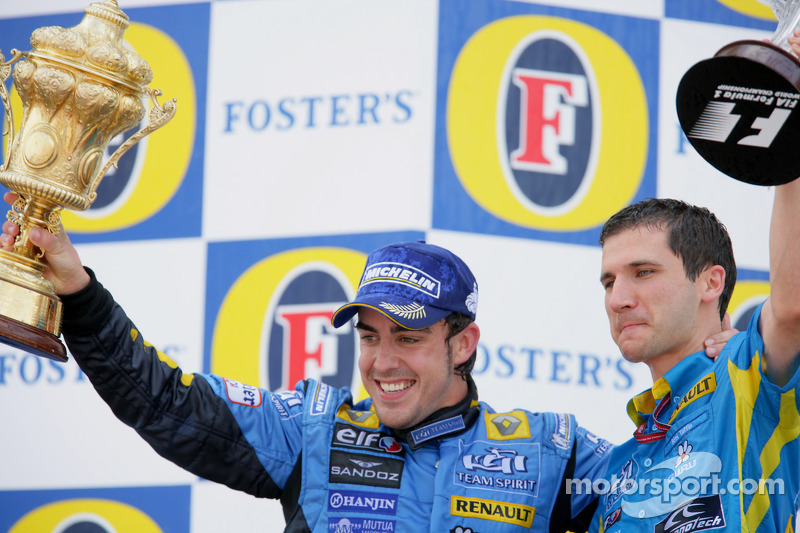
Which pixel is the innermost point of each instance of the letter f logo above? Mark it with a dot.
(547, 118)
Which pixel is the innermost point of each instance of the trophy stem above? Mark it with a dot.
(29, 213)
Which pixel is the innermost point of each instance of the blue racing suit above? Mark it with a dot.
(331, 462)
(716, 448)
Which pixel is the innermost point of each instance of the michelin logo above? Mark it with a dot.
(403, 274)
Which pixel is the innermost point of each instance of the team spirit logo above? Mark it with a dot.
(488, 466)
(273, 327)
(547, 123)
(149, 175)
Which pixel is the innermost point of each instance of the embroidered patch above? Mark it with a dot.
(437, 429)
(707, 385)
(509, 513)
(242, 394)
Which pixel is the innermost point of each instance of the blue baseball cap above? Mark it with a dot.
(415, 285)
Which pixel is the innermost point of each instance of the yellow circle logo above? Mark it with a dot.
(239, 344)
(106, 514)
(747, 295)
(476, 119)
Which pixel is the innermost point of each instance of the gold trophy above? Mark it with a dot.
(80, 87)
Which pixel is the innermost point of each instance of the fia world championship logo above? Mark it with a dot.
(546, 120)
(156, 190)
(269, 307)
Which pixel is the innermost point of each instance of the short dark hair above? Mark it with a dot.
(456, 323)
(694, 234)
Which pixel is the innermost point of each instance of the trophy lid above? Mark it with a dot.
(94, 46)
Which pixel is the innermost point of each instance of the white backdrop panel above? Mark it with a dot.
(311, 105)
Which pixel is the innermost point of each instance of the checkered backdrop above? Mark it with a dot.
(310, 132)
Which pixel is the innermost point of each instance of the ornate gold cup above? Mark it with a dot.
(80, 87)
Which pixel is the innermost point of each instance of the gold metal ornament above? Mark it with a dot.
(80, 87)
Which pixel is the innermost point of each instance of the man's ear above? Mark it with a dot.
(712, 283)
(466, 343)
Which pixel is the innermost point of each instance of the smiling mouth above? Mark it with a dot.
(395, 387)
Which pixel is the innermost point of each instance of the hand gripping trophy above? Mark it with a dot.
(739, 109)
(80, 87)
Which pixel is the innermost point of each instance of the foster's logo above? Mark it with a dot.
(546, 123)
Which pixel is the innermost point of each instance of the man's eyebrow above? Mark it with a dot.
(361, 325)
(633, 264)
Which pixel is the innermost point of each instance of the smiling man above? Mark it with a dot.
(423, 454)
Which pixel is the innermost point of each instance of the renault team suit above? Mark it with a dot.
(334, 467)
(716, 449)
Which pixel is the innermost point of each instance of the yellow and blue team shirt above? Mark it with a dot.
(715, 448)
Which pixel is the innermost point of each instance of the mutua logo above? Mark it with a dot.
(273, 326)
(549, 121)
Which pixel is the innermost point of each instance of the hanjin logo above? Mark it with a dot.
(361, 502)
(360, 469)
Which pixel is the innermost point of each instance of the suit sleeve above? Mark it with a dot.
(576, 501)
(186, 418)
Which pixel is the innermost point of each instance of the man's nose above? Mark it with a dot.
(620, 296)
(386, 356)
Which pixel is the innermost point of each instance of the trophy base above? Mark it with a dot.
(30, 312)
(31, 339)
(740, 111)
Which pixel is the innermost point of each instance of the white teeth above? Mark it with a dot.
(396, 387)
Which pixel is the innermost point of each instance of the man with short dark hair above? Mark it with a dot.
(423, 454)
(716, 442)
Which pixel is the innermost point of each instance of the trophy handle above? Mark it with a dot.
(158, 116)
(5, 73)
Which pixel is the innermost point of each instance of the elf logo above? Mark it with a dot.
(273, 327)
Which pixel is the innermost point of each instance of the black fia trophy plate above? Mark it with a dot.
(741, 108)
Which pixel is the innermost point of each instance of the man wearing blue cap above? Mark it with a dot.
(422, 454)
